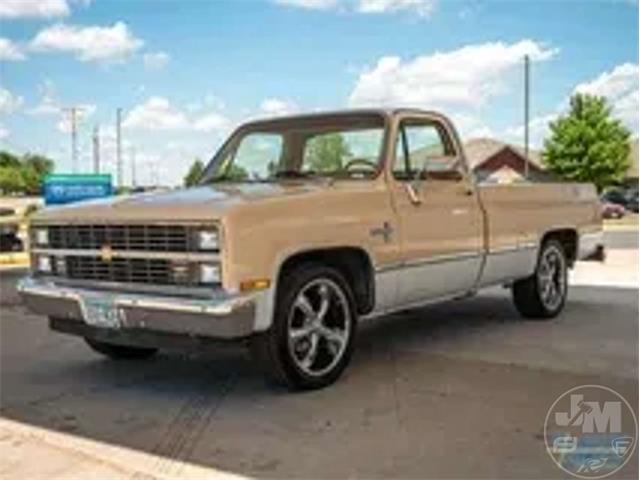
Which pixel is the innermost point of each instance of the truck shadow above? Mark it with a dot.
(212, 408)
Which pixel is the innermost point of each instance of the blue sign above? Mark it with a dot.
(61, 189)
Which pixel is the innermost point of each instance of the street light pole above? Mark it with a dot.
(526, 116)
(119, 146)
(96, 149)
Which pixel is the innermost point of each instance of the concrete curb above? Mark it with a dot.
(85, 458)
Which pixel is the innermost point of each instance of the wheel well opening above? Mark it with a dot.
(568, 238)
(354, 263)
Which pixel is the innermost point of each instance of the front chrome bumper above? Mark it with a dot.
(221, 317)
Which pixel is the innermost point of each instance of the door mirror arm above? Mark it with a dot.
(412, 192)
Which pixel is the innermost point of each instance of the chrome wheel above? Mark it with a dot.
(552, 278)
(318, 327)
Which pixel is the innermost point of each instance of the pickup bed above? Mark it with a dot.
(300, 228)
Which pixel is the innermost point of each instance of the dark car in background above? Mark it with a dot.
(632, 200)
(9, 231)
(627, 199)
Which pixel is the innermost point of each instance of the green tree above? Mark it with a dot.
(23, 174)
(195, 172)
(8, 159)
(11, 180)
(588, 144)
(325, 153)
(34, 169)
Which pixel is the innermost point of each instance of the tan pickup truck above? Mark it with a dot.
(302, 227)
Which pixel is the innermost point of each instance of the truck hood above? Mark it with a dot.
(192, 204)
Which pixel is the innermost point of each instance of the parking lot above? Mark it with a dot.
(457, 390)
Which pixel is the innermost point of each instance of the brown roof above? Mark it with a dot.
(479, 150)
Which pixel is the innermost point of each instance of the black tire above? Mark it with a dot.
(120, 352)
(272, 349)
(528, 295)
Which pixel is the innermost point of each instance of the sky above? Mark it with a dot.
(185, 73)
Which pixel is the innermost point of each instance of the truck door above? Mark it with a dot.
(439, 213)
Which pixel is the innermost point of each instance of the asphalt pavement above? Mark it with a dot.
(625, 240)
(456, 390)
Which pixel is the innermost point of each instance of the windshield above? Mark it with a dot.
(345, 147)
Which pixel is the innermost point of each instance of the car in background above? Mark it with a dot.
(612, 210)
(631, 196)
(614, 195)
(9, 231)
(627, 199)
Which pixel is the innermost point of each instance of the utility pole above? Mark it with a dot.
(96, 149)
(119, 147)
(526, 117)
(133, 167)
(73, 120)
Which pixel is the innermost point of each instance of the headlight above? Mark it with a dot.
(209, 273)
(208, 239)
(41, 236)
(43, 264)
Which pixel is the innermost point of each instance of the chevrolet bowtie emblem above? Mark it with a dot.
(106, 253)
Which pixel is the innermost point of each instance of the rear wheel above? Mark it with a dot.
(310, 341)
(120, 352)
(543, 294)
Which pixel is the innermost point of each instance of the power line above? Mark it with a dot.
(96, 149)
(526, 117)
(119, 146)
(133, 167)
(73, 117)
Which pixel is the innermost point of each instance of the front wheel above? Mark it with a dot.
(310, 341)
(543, 294)
(120, 352)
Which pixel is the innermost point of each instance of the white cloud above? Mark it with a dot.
(467, 77)
(470, 125)
(620, 88)
(89, 44)
(278, 107)
(34, 8)
(422, 8)
(156, 113)
(48, 105)
(4, 133)
(310, 4)
(9, 102)
(10, 51)
(156, 60)
(538, 130)
(212, 122)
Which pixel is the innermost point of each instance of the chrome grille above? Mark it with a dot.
(155, 238)
(129, 270)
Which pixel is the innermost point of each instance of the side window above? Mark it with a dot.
(424, 150)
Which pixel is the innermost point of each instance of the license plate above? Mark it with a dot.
(100, 311)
